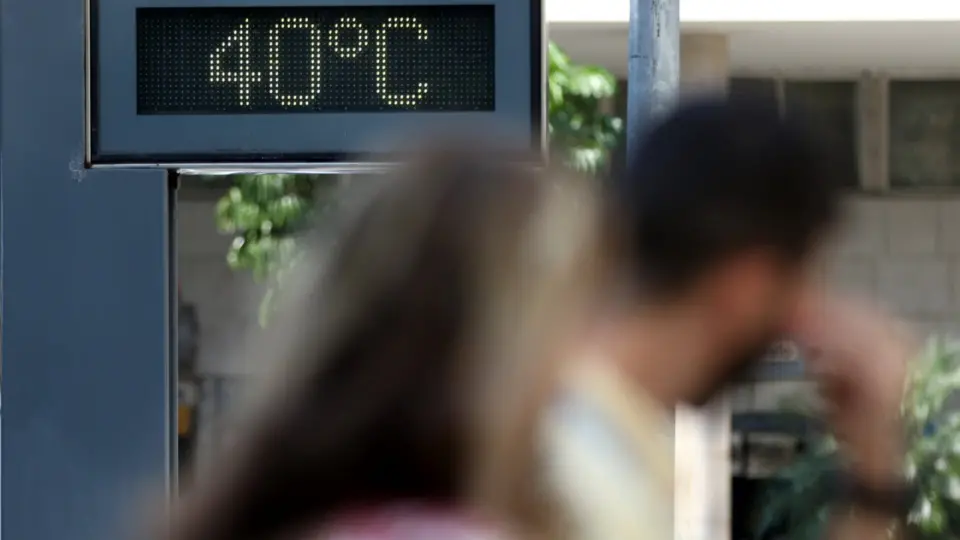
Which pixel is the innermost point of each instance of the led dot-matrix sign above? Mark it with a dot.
(238, 81)
(325, 59)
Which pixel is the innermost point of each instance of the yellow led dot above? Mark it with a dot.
(335, 39)
(245, 77)
(273, 69)
(382, 65)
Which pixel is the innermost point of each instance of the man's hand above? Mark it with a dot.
(858, 355)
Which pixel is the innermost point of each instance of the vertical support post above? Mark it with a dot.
(873, 131)
(653, 76)
(86, 283)
(702, 439)
(653, 68)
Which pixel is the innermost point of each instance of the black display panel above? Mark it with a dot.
(227, 60)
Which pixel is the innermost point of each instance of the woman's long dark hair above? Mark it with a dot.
(375, 399)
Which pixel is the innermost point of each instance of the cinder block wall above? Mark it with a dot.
(900, 250)
(906, 253)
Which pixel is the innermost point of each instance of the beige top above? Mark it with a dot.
(610, 457)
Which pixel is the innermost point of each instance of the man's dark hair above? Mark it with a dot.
(718, 177)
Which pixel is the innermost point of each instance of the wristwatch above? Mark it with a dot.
(894, 500)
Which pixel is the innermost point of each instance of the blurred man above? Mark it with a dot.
(723, 217)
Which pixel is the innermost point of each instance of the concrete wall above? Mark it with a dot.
(226, 300)
(906, 252)
(903, 251)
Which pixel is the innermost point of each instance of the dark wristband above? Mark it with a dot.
(894, 500)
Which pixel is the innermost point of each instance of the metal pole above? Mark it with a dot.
(653, 76)
(653, 70)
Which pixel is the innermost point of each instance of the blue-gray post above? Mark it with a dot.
(85, 286)
(653, 76)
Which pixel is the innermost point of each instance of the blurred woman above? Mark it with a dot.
(416, 359)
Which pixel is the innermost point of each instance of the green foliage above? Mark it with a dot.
(802, 498)
(264, 211)
(578, 126)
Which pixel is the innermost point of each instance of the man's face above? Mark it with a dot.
(749, 307)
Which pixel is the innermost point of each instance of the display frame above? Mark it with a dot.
(123, 138)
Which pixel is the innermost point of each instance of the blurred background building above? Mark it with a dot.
(881, 79)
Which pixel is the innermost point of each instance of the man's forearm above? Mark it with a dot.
(880, 470)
